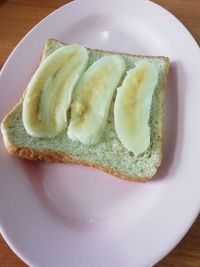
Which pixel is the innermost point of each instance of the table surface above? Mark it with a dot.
(17, 17)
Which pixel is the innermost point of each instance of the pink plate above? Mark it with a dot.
(69, 215)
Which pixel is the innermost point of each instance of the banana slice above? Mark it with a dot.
(132, 107)
(49, 92)
(92, 99)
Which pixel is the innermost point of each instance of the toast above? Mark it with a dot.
(109, 154)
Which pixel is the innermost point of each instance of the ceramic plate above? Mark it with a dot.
(69, 215)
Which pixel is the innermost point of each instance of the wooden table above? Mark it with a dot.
(17, 17)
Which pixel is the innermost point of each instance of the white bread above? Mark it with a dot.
(109, 154)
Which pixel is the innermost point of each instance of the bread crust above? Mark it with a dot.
(57, 156)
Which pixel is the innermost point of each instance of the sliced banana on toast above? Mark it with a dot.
(92, 99)
(132, 107)
(48, 94)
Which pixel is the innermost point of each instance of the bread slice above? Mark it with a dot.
(109, 154)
